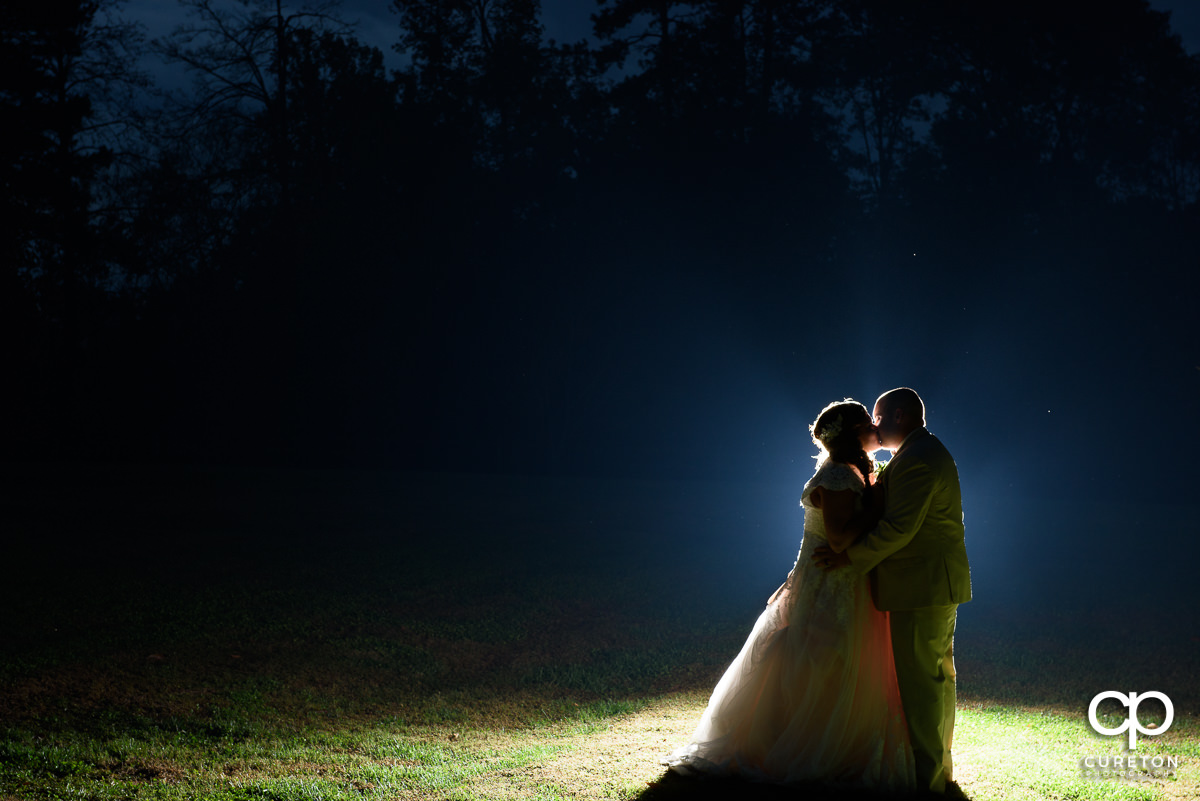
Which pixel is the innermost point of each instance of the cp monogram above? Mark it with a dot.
(1134, 725)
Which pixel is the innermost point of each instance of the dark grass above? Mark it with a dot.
(222, 607)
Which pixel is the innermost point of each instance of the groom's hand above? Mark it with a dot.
(828, 559)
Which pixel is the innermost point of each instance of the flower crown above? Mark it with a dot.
(830, 431)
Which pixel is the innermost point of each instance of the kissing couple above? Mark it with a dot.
(847, 677)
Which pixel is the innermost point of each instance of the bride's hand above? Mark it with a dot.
(828, 559)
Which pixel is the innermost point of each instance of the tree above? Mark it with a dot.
(884, 70)
(68, 90)
(1073, 110)
(70, 85)
(477, 70)
(346, 132)
(652, 28)
(240, 59)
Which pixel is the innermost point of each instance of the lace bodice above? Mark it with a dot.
(833, 476)
(810, 588)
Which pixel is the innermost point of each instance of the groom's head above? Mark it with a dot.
(898, 413)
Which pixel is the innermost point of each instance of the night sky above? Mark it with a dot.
(563, 20)
(1062, 375)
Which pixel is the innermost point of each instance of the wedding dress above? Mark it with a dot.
(812, 696)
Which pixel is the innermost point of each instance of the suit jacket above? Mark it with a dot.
(917, 555)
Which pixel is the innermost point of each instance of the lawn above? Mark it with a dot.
(251, 635)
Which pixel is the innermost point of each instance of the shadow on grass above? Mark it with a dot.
(672, 786)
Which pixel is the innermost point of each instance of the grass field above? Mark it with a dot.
(212, 634)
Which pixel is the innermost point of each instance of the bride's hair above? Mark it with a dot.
(835, 432)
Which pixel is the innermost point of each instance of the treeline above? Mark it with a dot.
(306, 257)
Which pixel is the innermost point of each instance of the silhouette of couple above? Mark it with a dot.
(848, 675)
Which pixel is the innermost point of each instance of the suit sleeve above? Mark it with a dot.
(910, 493)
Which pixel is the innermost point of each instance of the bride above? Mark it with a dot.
(812, 696)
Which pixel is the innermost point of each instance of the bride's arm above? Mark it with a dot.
(837, 510)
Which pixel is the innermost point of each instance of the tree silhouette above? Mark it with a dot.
(885, 68)
(516, 219)
(71, 83)
(1062, 104)
(240, 62)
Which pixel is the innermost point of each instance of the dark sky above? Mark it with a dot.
(1027, 345)
(565, 20)
(1062, 376)
(569, 20)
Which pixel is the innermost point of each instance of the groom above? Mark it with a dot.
(919, 574)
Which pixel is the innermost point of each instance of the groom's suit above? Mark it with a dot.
(919, 573)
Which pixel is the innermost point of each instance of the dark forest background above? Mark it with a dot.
(518, 255)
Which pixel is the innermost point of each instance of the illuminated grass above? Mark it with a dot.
(547, 749)
(374, 669)
(1013, 753)
(387, 760)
